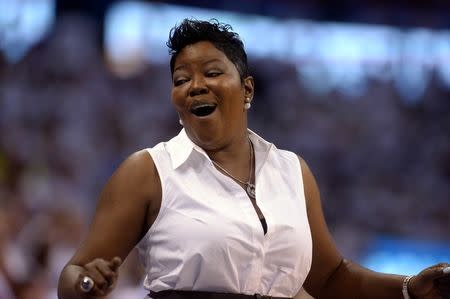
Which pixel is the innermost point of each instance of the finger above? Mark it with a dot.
(434, 272)
(115, 263)
(107, 273)
(444, 294)
(445, 280)
(443, 284)
(94, 290)
(93, 272)
(444, 290)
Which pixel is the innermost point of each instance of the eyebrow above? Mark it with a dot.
(206, 62)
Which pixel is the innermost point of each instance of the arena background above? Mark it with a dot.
(361, 91)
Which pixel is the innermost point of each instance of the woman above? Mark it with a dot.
(217, 211)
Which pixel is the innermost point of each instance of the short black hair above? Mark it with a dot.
(191, 31)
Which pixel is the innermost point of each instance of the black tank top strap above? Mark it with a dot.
(176, 294)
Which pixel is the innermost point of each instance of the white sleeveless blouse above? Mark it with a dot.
(207, 235)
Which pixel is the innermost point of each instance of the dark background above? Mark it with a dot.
(403, 13)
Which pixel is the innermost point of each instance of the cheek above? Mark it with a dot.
(228, 88)
(176, 99)
(233, 94)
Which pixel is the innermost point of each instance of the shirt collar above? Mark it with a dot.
(181, 147)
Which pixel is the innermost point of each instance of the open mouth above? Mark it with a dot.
(203, 109)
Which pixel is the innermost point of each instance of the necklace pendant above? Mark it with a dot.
(251, 190)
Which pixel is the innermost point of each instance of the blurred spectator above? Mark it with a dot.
(5, 283)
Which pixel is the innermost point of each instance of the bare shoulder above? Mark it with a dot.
(137, 182)
(129, 203)
(137, 176)
(306, 171)
(139, 165)
(309, 182)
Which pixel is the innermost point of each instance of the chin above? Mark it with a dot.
(205, 137)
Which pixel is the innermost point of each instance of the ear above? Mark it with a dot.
(249, 87)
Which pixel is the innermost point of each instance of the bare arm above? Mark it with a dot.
(127, 207)
(331, 275)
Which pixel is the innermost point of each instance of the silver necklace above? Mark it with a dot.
(249, 187)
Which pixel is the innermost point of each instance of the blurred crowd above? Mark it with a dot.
(66, 122)
(431, 13)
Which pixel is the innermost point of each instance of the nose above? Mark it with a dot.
(198, 86)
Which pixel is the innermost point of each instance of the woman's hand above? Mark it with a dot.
(104, 275)
(431, 283)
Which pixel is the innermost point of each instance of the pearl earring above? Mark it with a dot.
(181, 122)
(247, 104)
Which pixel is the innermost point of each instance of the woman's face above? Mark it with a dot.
(209, 96)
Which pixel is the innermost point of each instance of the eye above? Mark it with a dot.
(179, 82)
(213, 74)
